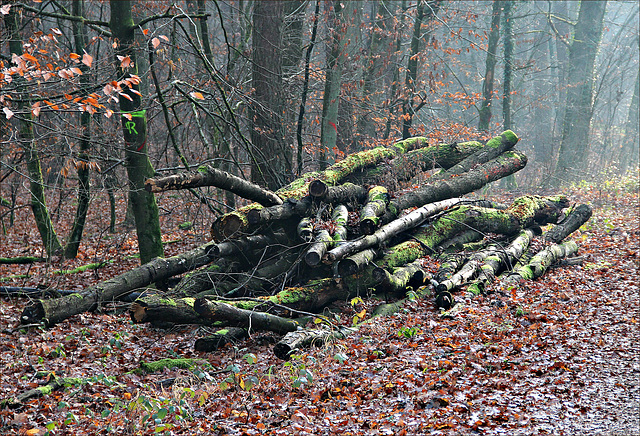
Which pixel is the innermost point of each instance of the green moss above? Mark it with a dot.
(161, 364)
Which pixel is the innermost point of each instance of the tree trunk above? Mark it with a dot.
(630, 142)
(374, 208)
(27, 138)
(251, 320)
(82, 167)
(580, 77)
(333, 81)
(134, 128)
(507, 163)
(487, 84)
(305, 89)
(273, 164)
(53, 311)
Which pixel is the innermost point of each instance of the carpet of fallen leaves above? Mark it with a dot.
(556, 356)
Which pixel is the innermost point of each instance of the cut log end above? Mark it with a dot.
(444, 300)
(368, 226)
(33, 314)
(138, 313)
(347, 267)
(318, 189)
(283, 351)
(312, 258)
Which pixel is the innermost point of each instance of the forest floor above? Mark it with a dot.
(557, 356)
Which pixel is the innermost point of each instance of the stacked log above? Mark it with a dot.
(341, 233)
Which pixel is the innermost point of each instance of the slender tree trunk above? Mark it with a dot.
(425, 11)
(487, 84)
(134, 128)
(80, 39)
(373, 77)
(333, 81)
(27, 138)
(574, 147)
(510, 181)
(305, 89)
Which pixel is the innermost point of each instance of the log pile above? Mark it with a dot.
(342, 233)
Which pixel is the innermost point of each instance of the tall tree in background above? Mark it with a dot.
(273, 163)
(507, 24)
(134, 128)
(487, 83)
(377, 55)
(580, 79)
(82, 165)
(630, 147)
(508, 64)
(333, 81)
(424, 13)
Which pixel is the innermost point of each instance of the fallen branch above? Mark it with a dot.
(206, 175)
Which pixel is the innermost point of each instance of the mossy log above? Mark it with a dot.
(472, 180)
(352, 264)
(573, 221)
(163, 310)
(540, 263)
(219, 339)
(305, 229)
(206, 175)
(55, 383)
(410, 275)
(309, 298)
(492, 149)
(301, 339)
(377, 201)
(251, 320)
(322, 241)
(386, 232)
(53, 311)
(502, 259)
(235, 223)
(346, 193)
(524, 212)
(404, 167)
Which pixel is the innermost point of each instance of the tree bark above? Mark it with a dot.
(507, 163)
(333, 81)
(540, 263)
(273, 164)
(26, 137)
(82, 167)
